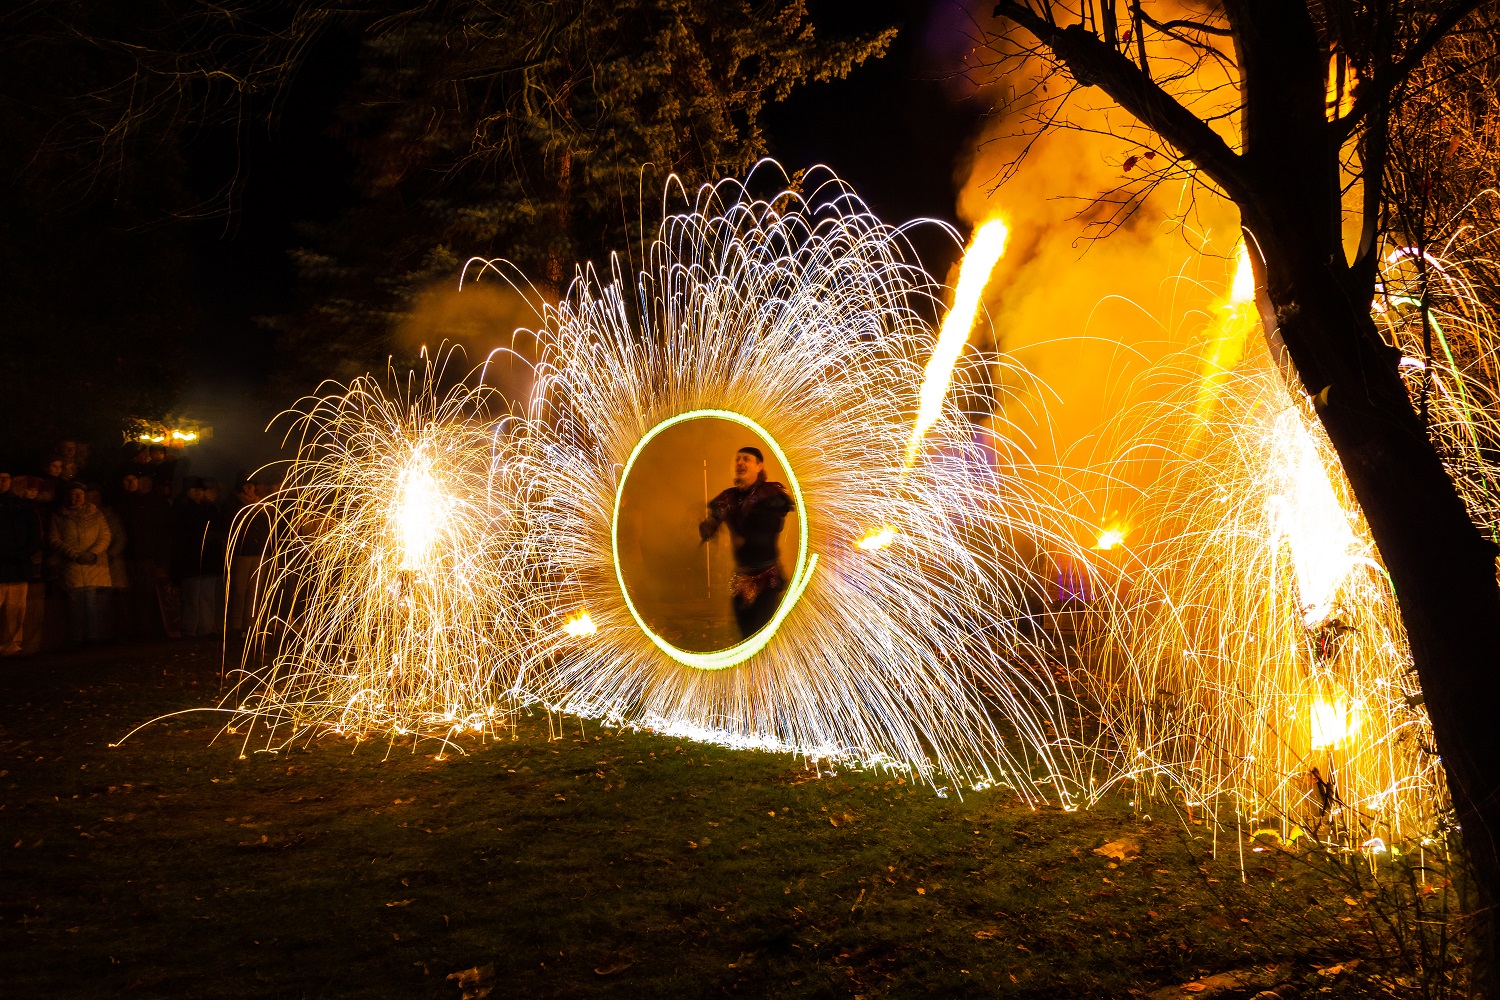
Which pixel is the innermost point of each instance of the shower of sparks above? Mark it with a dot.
(580, 625)
(1260, 664)
(439, 560)
(393, 557)
(441, 566)
(985, 250)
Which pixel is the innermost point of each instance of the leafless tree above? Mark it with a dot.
(1265, 66)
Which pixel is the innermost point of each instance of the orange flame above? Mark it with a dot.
(985, 250)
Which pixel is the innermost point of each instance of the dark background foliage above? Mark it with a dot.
(209, 209)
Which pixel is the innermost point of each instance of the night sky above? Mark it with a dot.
(895, 129)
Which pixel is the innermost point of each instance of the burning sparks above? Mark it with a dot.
(986, 247)
(416, 512)
(430, 546)
(1110, 538)
(1333, 722)
(580, 626)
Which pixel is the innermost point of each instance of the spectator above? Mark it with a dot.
(73, 459)
(20, 555)
(148, 555)
(252, 534)
(80, 537)
(198, 560)
(115, 604)
(28, 488)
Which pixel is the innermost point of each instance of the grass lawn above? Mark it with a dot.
(572, 860)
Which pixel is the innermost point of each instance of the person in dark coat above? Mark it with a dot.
(20, 557)
(148, 552)
(252, 537)
(754, 511)
(198, 538)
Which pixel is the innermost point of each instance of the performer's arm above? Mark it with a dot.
(718, 509)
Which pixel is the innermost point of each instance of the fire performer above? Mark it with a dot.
(755, 510)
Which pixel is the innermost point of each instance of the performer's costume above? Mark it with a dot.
(755, 515)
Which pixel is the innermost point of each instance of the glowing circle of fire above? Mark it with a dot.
(801, 571)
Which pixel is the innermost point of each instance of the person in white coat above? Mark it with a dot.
(80, 537)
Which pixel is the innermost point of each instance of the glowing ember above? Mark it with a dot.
(417, 510)
(985, 250)
(1333, 722)
(877, 539)
(1110, 538)
(580, 625)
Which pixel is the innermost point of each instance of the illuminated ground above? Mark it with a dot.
(615, 864)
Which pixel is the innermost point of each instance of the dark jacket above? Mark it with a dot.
(148, 527)
(198, 537)
(20, 539)
(755, 515)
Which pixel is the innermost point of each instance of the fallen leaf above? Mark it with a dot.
(476, 983)
(1121, 850)
(613, 964)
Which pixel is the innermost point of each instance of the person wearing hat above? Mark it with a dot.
(80, 537)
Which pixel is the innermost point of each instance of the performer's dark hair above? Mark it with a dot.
(756, 452)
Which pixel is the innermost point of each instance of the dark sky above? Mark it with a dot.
(894, 129)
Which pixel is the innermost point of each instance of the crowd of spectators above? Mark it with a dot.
(128, 553)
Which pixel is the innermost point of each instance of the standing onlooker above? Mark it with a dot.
(20, 552)
(115, 604)
(148, 553)
(80, 537)
(198, 560)
(253, 534)
(29, 488)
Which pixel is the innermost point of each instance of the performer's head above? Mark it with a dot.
(748, 466)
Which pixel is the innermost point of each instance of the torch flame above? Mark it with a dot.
(985, 250)
(580, 625)
(877, 539)
(1236, 320)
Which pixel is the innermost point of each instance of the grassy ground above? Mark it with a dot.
(586, 862)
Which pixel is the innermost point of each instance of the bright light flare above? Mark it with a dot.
(985, 250)
(580, 626)
(1110, 538)
(417, 511)
(877, 539)
(1333, 721)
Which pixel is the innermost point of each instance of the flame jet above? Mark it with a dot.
(985, 250)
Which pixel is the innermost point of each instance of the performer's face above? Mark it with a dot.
(746, 468)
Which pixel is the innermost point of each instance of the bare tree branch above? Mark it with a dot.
(1095, 64)
(1375, 94)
